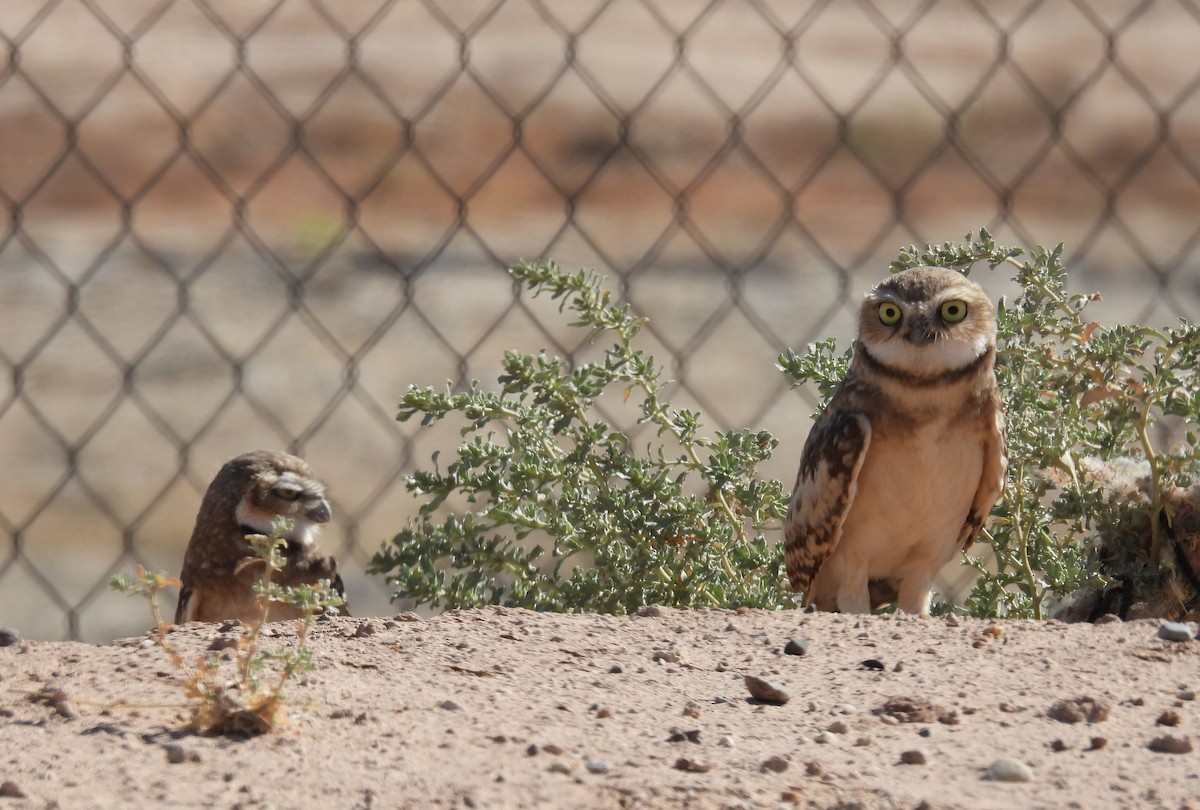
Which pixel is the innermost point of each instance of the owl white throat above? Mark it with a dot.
(940, 356)
(303, 532)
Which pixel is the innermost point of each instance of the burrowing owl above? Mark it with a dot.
(244, 498)
(908, 458)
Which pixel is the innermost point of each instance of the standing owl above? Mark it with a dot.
(904, 465)
(219, 567)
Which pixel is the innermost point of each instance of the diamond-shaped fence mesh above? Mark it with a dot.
(252, 224)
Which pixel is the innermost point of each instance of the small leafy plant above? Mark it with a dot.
(244, 704)
(566, 512)
(1080, 516)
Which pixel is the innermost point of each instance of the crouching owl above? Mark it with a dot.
(245, 497)
(903, 467)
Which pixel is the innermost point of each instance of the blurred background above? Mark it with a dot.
(253, 224)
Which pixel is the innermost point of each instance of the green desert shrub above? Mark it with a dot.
(547, 505)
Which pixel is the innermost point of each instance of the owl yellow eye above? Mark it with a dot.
(288, 493)
(889, 314)
(953, 311)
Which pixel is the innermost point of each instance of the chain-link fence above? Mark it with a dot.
(252, 224)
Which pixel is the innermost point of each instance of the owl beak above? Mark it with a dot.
(319, 513)
(919, 332)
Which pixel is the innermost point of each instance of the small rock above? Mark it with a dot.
(559, 767)
(1096, 743)
(845, 708)
(994, 630)
(925, 733)
(222, 642)
(1169, 718)
(408, 616)
(1186, 694)
(1007, 769)
(553, 750)
(916, 756)
(766, 691)
(649, 611)
(9, 638)
(532, 749)
(1059, 746)
(862, 742)
(692, 766)
(1167, 744)
(597, 766)
(838, 727)
(1175, 631)
(796, 647)
(10, 790)
(775, 764)
(365, 629)
(899, 667)
(692, 710)
(603, 712)
(873, 664)
(615, 669)
(449, 705)
(667, 656)
(1107, 618)
(176, 754)
(692, 736)
(825, 738)
(813, 768)
(727, 741)
(1076, 710)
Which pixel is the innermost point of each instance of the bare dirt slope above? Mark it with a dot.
(507, 708)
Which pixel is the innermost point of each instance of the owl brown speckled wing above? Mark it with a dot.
(825, 488)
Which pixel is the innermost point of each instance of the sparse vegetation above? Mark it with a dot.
(560, 510)
(242, 704)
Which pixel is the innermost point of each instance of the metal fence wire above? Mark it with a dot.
(252, 224)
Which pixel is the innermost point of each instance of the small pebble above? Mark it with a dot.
(1175, 631)
(692, 710)
(863, 742)
(796, 647)
(365, 629)
(916, 756)
(838, 727)
(845, 708)
(813, 768)
(692, 766)
(597, 766)
(1096, 743)
(603, 713)
(1186, 694)
(1076, 710)
(727, 741)
(1167, 744)
(176, 754)
(775, 764)
(615, 669)
(873, 664)
(825, 738)
(1059, 746)
(1169, 718)
(1007, 769)
(9, 638)
(649, 611)
(10, 790)
(1108, 618)
(766, 691)
(449, 705)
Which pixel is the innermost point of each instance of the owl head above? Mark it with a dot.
(251, 490)
(927, 321)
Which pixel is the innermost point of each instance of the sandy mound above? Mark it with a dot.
(507, 708)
